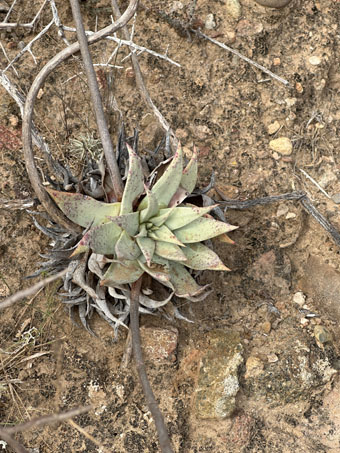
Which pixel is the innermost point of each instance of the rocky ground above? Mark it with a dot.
(257, 370)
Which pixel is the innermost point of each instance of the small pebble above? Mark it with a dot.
(290, 102)
(336, 198)
(314, 60)
(327, 178)
(40, 93)
(282, 210)
(299, 87)
(210, 23)
(273, 127)
(304, 322)
(254, 367)
(299, 298)
(266, 327)
(276, 61)
(13, 120)
(290, 215)
(322, 336)
(282, 145)
(272, 358)
(233, 8)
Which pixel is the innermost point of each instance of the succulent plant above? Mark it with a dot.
(150, 231)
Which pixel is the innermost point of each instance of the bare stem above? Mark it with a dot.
(47, 420)
(30, 291)
(117, 182)
(163, 436)
(32, 170)
(140, 81)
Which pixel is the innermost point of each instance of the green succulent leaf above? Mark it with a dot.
(159, 270)
(200, 257)
(101, 239)
(83, 210)
(164, 234)
(184, 284)
(126, 248)
(189, 176)
(134, 186)
(169, 251)
(147, 247)
(104, 237)
(128, 222)
(168, 183)
(151, 209)
(202, 229)
(119, 273)
(162, 217)
(182, 216)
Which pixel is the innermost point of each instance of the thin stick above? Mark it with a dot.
(46, 420)
(306, 203)
(30, 291)
(18, 204)
(238, 54)
(31, 168)
(235, 204)
(140, 81)
(14, 25)
(103, 130)
(87, 435)
(163, 437)
(299, 196)
(315, 183)
(132, 44)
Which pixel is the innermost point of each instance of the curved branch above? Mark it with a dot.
(140, 81)
(31, 168)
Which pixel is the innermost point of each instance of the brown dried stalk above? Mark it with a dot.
(140, 81)
(97, 103)
(6, 432)
(163, 436)
(30, 291)
(32, 170)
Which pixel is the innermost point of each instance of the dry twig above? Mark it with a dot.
(243, 57)
(30, 291)
(164, 440)
(140, 81)
(46, 420)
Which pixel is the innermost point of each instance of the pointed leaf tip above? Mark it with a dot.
(83, 210)
(134, 186)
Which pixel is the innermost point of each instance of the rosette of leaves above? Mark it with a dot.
(151, 230)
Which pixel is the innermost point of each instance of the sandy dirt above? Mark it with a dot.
(289, 387)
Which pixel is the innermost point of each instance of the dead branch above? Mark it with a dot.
(97, 103)
(46, 420)
(5, 432)
(243, 57)
(299, 196)
(30, 291)
(15, 205)
(32, 170)
(163, 436)
(140, 81)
